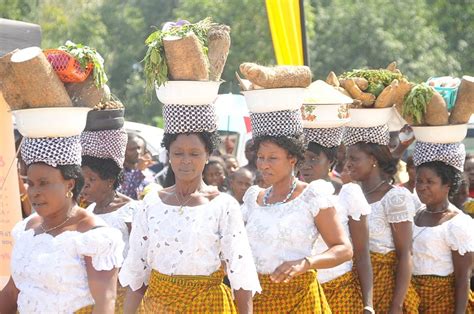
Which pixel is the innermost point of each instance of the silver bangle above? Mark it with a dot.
(370, 309)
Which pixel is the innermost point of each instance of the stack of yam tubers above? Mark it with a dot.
(418, 104)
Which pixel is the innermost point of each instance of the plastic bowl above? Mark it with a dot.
(324, 116)
(188, 92)
(275, 99)
(440, 134)
(369, 117)
(51, 122)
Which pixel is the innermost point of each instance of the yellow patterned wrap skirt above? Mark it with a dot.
(85, 310)
(384, 271)
(344, 294)
(187, 294)
(437, 294)
(303, 294)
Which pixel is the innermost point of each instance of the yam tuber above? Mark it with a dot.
(367, 99)
(10, 88)
(218, 50)
(385, 99)
(436, 111)
(392, 66)
(332, 79)
(278, 76)
(400, 92)
(464, 106)
(361, 82)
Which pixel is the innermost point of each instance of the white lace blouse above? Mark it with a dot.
(191, 243)
(284, 232)
(433, 246)
(50, 272)
(397, 205)
(351, 203)
(118, 219)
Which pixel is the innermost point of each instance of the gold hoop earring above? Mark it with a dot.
(69, 194)
(374, 165)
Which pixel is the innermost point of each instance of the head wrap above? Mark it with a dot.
(54, 151)
(105, 144)
(276, 123)
(452, 154)
(377, 135)
(327, 137)
(189, 118)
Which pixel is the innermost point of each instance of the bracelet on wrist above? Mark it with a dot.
(369, 309)
(307, 260)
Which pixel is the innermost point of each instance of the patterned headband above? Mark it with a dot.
(327, 137)
(54, 151)
(187, 118)
(105, 144)
(377, 135)
(452, 154)
(276, 123)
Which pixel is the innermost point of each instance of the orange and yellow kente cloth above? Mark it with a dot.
(85, 310)
(187, 294)
(437, 294)
(303, 294)
(344, 294)
(384, 272)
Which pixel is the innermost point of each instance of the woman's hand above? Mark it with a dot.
(286, 271)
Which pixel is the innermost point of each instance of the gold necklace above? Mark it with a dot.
(182, 204)
(375, 188)
(56, 227)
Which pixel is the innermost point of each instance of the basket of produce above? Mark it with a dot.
(447, 87)
(51, 122)
(190, 56)
(73, 63)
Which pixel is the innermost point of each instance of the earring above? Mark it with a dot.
(207, 161)
(69, 194)
(374, 165)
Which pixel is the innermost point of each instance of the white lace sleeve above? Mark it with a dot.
(235, 249)
(250, 197)
(318, 196)
(135, 270)
(460, 234)
(104, 245)
(398, 205)
(126, 212)
(20, 227)
(353, 200)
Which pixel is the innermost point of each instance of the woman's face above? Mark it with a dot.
(315, 166)
(214, 175)
(94, 188)
(188, 157)
(47, 189)
(274, 162)
(359, 163)
(429, 187)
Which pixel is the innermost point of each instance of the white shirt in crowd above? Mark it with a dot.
(350, 203)
(284, 232)
(50, 272)
(191, 243)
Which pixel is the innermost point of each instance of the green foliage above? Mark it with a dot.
(374, 77)
(414, 105)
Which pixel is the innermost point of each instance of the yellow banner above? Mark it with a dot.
(285, 26)
(10, 206)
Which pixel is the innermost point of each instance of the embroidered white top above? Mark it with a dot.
(351, 203)
(433, 246)
(284, 232)
(50, 272)
(397, 205)
(118, 219)
(191, 243)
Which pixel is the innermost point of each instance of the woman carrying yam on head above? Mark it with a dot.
(390, 221)
(443, 238)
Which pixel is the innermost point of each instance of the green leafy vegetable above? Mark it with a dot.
(156, 69)
(415, 102)
(86, 55)
(374, 77)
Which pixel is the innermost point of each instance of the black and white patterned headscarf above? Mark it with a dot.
(188, 118)
(452, 154)
(54, 151)
(105, 144)
(276, 123)
(377, 135)
(327, 137)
